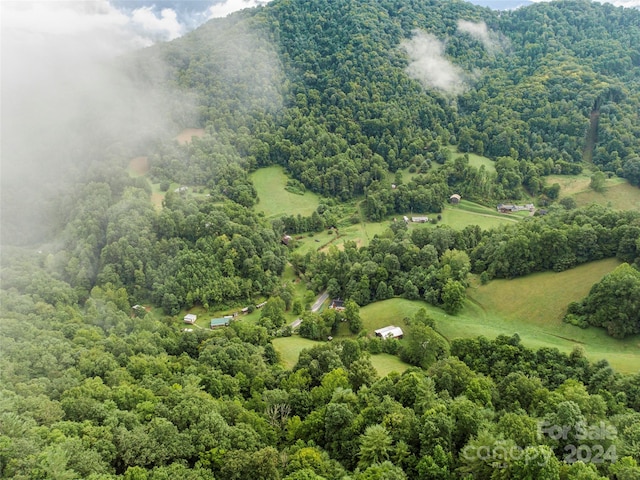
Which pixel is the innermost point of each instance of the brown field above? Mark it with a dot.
(186, 135)
(139, 166)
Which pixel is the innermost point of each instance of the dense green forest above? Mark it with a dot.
(363, 102)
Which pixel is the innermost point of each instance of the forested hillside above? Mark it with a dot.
(376, 106)
(347, 90)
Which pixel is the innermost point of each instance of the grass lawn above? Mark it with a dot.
(289, 349)
(541, 298)
(469, 213)
(619, 196)
(275, 200)
(361, 233)
(389, 312)
(385, 363)
(530, 306)
(618, 193)
(475, 160)
(533, 307)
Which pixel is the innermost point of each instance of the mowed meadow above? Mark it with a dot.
(617, 192)
(289, 349)
(274, 200)
(531, 306)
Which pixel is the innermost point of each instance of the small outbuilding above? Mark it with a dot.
(454, 199)
(219, 322)
(389, 332)
(190, 318)
(419, 219)
(337, 304)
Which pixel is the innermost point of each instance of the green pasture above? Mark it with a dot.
(456, 216)
(475, 160)
(530, 306)
(289, 349)
(469, 213)
(621, 195)
(541, 298)
(385, 363)
(275, 200)
(360, 233)
(617, 194)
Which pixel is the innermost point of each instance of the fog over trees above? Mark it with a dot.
(381, 108)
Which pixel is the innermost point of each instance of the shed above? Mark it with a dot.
(190, 318)
(219, 322)
(419, 219)
(389, 332)
(455, 199)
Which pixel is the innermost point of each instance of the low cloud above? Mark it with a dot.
(491, 41)
(163, 27)
(429, 66)
(223, 9)
(67, 101)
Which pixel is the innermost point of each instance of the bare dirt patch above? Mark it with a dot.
(156, 199)
(185, 136)
(139, 166)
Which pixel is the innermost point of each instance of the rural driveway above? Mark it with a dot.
(321, 299)
(314, 308)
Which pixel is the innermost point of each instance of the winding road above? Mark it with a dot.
(314, 308)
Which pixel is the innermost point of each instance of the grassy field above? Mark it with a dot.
(469, 213)
(474, 159)
(385, 364)
(617, 194)
(275, 200)
(457, 216)
(289, 349)
(531, 306)
(361, 233)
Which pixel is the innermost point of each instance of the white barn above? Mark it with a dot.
(389, 332)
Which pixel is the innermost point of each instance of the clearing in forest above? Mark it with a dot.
(531, 306)
(187, 134)
(617, 193)
(475, 160)
(469, 213)
(275, 201)
(289, 349)
(138, 166)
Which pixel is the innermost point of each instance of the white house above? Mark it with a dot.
(389, 332)
(190, 318)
